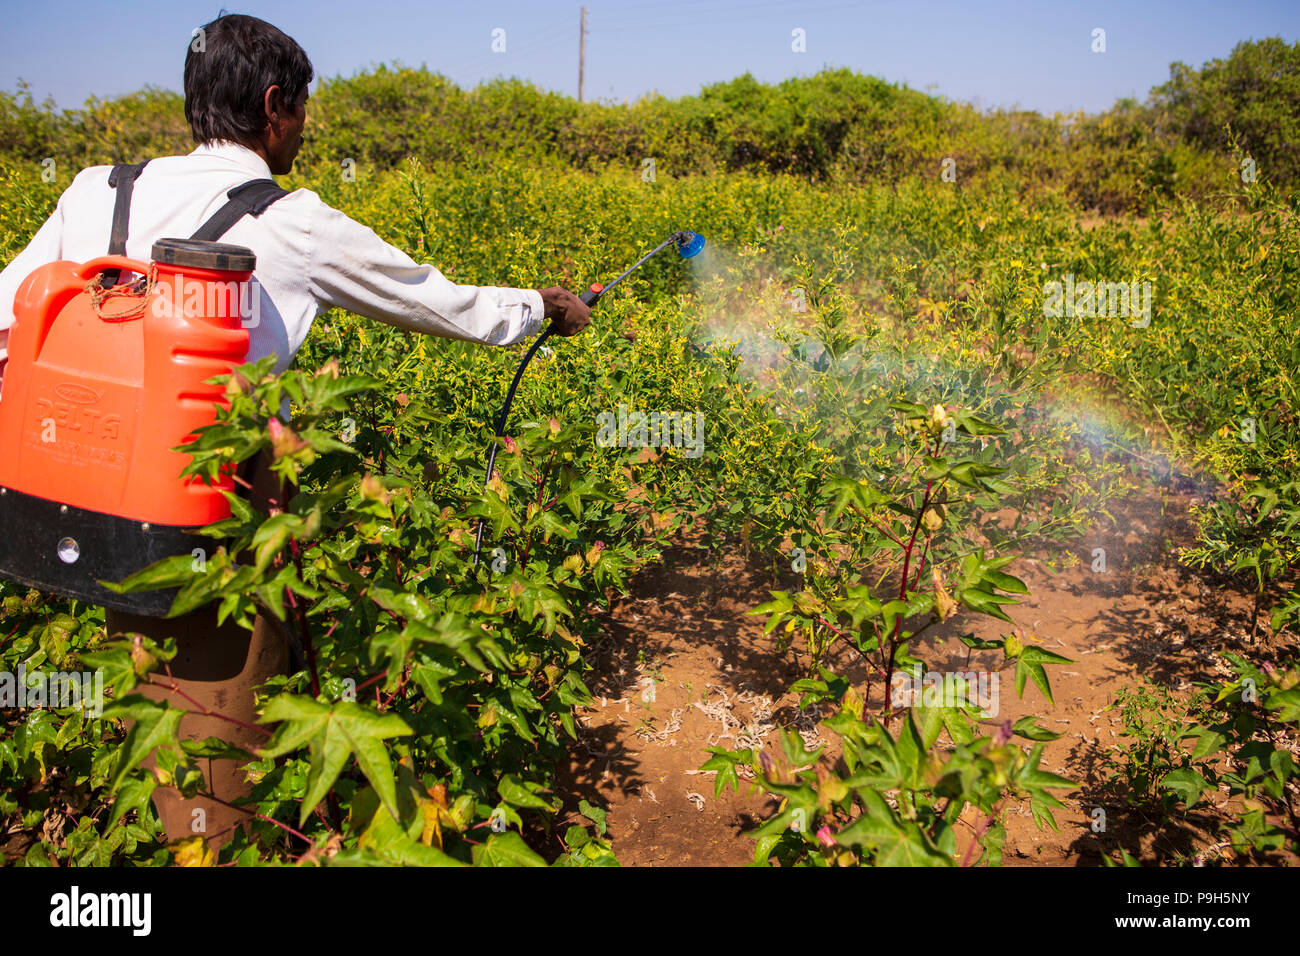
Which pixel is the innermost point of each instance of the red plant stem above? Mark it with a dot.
(205, 711)
(925, 552)
(883, 530)
(541, 479)
(253, 493)
(902, 587)
(400, 690)
(907, 554)
(831, 627)
(262, 816)
(541, 493)
(213, 836)
(975, 840)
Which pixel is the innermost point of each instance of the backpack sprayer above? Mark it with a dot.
(97, 398)
(105, 379)
(688, 244)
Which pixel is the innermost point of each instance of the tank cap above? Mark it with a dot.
(200, 254)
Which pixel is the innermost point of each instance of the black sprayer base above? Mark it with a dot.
(65, 550)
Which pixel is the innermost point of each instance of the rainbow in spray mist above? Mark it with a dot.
(776, 346)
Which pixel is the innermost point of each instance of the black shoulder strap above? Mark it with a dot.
(122, 178)
(252, 198)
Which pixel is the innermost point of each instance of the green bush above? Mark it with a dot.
(1187, 140)
(1249, 100)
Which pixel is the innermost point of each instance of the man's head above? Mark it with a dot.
(246, 82)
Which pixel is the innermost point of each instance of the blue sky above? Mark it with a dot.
(1036, 55)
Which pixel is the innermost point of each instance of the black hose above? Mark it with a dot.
(590, 298)
(501, 424)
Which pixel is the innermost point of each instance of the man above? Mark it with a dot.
(245, 100)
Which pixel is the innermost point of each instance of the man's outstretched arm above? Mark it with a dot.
(351, 267)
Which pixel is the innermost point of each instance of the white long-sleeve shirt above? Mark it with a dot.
(310, 256)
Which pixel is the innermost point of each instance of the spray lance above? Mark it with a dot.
(688, 244)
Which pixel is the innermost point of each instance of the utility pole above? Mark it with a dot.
(582, 50)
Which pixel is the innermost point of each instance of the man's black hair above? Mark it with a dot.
(226, 83)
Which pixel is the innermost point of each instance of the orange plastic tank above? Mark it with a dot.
(99, 390)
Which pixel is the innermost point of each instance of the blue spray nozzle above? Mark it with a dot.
(689, 243)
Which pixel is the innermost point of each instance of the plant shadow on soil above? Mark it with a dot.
(682, 666)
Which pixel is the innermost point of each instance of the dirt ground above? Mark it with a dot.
(682, 667)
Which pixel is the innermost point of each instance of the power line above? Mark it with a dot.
(479, 65)
(478, 62)
(673, 6)
(663, 15)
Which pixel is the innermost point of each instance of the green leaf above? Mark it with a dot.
(520, 794)
(1187, 783)
(506, 849)
(388, 840)
(912, 848)
(979, 644)
(724, 762)
(910, 408)
(167, 573)
(1029, 728)
(155, 725)
(1126, 859)
(1030, 664)
(1207, 742)
(875, 826)
(134, 794)
(985, 602)
(1043, 656)
(898, 843)
(795, 752)
(975, 426)
(595, 814)
(1286, 703)
(1037, 782)
(763, 848)
(116, 665)
(1006, 582)
(334, 733)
